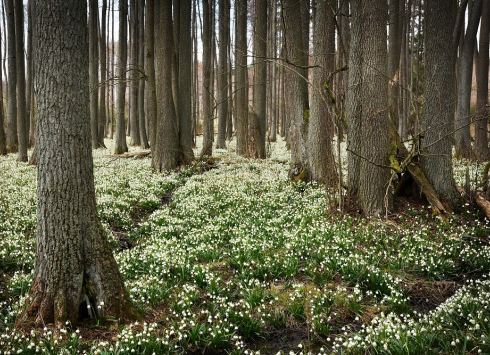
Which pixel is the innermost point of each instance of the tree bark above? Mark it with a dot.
(463, 119)
(141, 81)
(224, 42)
(94, 71)
(150, 69)
(120, 144)
(134, 73)
(437, 123)
(12, 138)
(207, 84)
(481, 126)
(3, 145)
(375, 198)
(258, 118)
(103, 77)
(166, 155)
(30, 76)
(22, 126)
(185, 82)
(241, 87)
(74, 264)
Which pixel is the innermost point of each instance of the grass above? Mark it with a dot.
(240, 258)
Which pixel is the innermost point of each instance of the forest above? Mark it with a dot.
(244, 177)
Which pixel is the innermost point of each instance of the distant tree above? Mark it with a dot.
(258, 119)
(437, 122)
(12, 138)
(3, 146)
(134, 73)
(150, 70)
(207, 83)
(394, 41)
(120, 143)
(23, 128)
(462, 135)
(74, 265)
(141, 80)
(481, 126)
(375, 141)
(241, 87)
(30, 76)
(166, 154)
(103, 77)
(224, 42)
(94, 70)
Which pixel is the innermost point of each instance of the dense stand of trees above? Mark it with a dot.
(373, 72)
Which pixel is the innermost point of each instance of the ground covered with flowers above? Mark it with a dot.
(232, 258)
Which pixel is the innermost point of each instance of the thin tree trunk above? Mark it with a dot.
(12, 138)
(207, 85)
(103, 77)
(22, 123)
(120, 144)
(30, 76)
(94, 71)
(3, 146)
(134, 73)
(141, 78)
(224, 42)
(150, 69)
(241, 73)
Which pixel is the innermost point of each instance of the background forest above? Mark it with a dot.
(270, 176)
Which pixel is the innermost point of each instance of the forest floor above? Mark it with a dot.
(230, 257)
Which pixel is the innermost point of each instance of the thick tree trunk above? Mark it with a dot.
(30, 76)
(141, 83)
(23, 128)
(121, 146)
(224, 42)
(481, 126)
(103, 77)
(150, 69)
(185, 82)
(166, 155)
(258, 118)
(297, 108)
(94, 71)
(134, 73)
(241, 87)
(463, 119)
(12, 139)
(207, 84)
(437, 123)
(3, 145)
(394, 40)
(354, 109)
(74, 262)
(375, 144)
(320, 131)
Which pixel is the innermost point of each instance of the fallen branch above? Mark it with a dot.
(129, 155)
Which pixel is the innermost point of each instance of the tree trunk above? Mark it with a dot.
(22, 126)
(12, 139)
(30, 76)
(103, 77)
(241, 87)
(3, 145)
(375, 142)
(481, 126)
(258, 118)
(185, 82)
(273, 72)
(207, 84)
(224, 42)
(166, 155)
(354, 109)
(120, 145)
(394, 40)
(134, 73)
(437, 123)
(150, 69)
(463, 119)
(141, 81)
(74, 264)
(320, 131)
(94, 71)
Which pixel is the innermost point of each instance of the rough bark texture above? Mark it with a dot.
(3, 145)
(320, 131)
(166, 154)
(394, 40)
(207, 83)
(74, 262)
(354, 108)
(296, 91)
(462, 135)
(258, 118)
(141, 81)
(134, 73)
(224, 42)
(150, 70)
(481, 126)
(30, 76)
(103, 77)
(272, 48)
(120, 144)
(375, 143)
(11, 138)
(22, 126)
(437, 122)
(185, 82)
(94, 72)
(241, 86)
